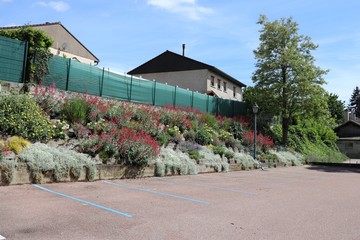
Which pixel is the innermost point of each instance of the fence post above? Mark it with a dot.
(154, 91)
(131, 80)
(192, 100)
(175, 97)
(68, 75)
(24, 62)
(207, 104)
(102, 82)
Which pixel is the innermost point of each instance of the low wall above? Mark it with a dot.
(22, 174)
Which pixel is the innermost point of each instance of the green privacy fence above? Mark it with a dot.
(13, 55)
(73, 76)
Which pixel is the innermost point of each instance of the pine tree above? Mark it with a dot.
(355, 101)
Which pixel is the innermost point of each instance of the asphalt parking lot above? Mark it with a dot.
(308, 202)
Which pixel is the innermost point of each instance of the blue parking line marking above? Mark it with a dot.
(83, 201)
(209, 186)
(155, 192)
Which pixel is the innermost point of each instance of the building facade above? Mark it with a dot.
(184, 72)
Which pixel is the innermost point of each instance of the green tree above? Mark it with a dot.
(336, 107)
(355, 101)
(38, 51)
(287, 81)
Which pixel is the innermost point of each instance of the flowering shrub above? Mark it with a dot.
(49, 99)
(264, 143)
(60, 128)
(136, 148)
(125, 144)
(20, 115)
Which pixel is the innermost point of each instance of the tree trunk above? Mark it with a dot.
(285, 130)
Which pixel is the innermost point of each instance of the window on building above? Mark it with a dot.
(212, 79)
(219, 84)
(234, 92)
(225, 86)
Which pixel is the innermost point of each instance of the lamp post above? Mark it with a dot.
(255, 108)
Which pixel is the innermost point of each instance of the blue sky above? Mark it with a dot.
(124, 34)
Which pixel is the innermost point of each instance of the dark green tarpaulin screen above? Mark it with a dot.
(12, 59)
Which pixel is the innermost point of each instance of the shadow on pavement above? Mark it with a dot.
(335, 167)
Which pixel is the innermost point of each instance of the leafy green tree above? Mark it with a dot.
(355, 101)
(336, 107)
(287, 81)
(38, 51)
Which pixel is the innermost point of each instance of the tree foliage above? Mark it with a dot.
(287, 81)
(336, 107)
(38, 51)
(355, 101)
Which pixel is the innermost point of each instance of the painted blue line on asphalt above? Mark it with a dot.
(155, 192)
(209, 186)
(83, 201)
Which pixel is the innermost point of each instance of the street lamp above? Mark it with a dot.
(255, 108)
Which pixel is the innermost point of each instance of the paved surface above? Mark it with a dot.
(310, 202)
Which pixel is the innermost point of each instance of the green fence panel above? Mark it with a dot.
(116, 86)
(225, 107)
(58, 68)
(183, 97)
(142, 91)
(78, 77)
(164, 94)
(84, 78)
(213, 105)
(12, 59)
(200, 102)
(239, 108)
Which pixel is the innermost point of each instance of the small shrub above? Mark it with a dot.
(229, 154)
(186, 146)
(75, 110)
(174, 162)
(60, 162)
(214, 161)
(49, 99)
(20, 115)
(190, 135)
(203, 136)
(17, 144)
(219, 150)
(195, 154)
(60, 128)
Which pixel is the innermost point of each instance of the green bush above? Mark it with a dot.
(219, 150)
(229, 154)
(195, 154)
(203, 136)
(75, 110)
(20, 115)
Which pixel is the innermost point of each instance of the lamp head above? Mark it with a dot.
(255, 108)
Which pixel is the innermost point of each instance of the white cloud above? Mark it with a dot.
(6, 1)
(187, 7)
(58, 6)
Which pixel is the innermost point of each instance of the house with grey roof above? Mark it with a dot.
(179, 70)
(349, 138)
